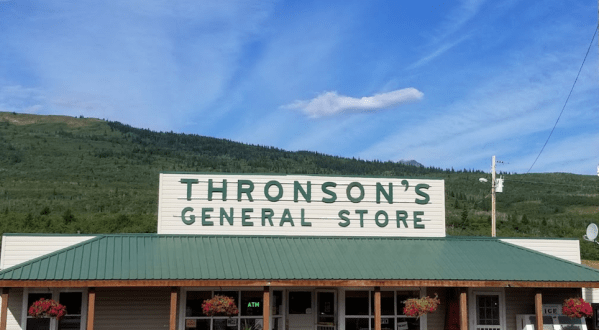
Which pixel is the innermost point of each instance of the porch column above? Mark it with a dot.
(172, 324)
(464, 309)
(4, 312)
(539, 309)
(266, 308)
(91, 307)
(377, 308)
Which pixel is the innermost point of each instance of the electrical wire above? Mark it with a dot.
(568, 98)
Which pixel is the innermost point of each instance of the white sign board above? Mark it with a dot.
(311, 205)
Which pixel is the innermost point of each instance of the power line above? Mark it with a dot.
(568, 98)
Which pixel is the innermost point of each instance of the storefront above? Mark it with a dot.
(293, 253)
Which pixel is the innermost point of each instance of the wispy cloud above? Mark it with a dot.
(331, 103)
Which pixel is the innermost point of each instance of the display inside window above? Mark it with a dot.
(326, 308)
(356, 302)
(37, 323)
(392, 303)
(72, 301)
(249, 315)
(251, 303)
(193, 305)
(300, 302)
(277, 303)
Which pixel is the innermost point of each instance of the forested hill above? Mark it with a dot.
(65, 174)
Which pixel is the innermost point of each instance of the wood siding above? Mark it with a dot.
(20, 248)
(522, 301)
(560, 248)
(138, 308)
(518, 301)
(436, 320)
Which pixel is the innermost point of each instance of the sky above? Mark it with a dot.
(446, 83)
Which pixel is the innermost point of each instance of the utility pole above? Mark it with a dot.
(493, 220)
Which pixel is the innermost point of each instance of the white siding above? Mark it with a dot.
(139, 308)
(324, 217)
(20, 248)
(560, 248)
(591, 295)
(15, 302)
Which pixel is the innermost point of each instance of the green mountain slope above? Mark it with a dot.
(65, 174)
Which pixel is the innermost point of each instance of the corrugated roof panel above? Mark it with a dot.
(260, 257)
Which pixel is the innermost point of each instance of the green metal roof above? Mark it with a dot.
(160, 257)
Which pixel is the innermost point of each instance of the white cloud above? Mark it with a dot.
(331, 103)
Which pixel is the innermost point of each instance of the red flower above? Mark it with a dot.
(577, 308)
(220, 305)
(416, 307)
(47, 308)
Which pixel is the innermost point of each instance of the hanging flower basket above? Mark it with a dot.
(47, 308)
(416, 307)
(220, 306)
(577, 308)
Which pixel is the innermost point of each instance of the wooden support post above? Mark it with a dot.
(266, 308)
(539, 310)
(377, 308)
(4, 312)
(91, 308)
(172, 324)
(463, 309)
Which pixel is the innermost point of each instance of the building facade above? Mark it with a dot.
(295, 252)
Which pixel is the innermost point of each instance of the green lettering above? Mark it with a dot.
(388, 195)
(222, 190)
(206, 216)
(192, 218)
(361, 213)
(189, 182)
(343, 215)
(304, 222)
(286, 218)
(245, 190)
(267, 214)
(245, 217)
(422, 193)
(267, 191)
(306, 193)
(376, 218)
(223, 215)
(348, 192)
(401, 216)
(333, 197)
(417, 220)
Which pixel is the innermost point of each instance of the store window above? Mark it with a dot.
(249, 304)
(277, 308)
(359, 310)
(72, 300)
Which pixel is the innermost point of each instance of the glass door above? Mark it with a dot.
(300, 315)
(326, 307)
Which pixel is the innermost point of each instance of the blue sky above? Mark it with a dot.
(447, 83)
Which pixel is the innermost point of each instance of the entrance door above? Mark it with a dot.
(326, 317)
(300, 316)
(487, 310)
